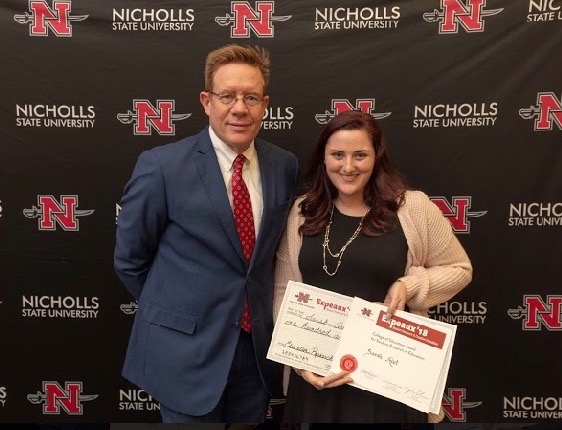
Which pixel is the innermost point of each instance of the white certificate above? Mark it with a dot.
(405, 358)
(308, 328)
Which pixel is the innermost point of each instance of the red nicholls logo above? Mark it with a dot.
(302, 297)
(54, 398)
(536, 313)
(42, 18)
(341, 105)
(469, 14)
(454, 404)
(244, 18)
(457, 212)
(147, 117)
(51, 212)
(546, 112)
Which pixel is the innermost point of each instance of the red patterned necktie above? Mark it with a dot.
(242, 209)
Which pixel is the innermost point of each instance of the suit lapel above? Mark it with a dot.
(211, 177)
(267, 174)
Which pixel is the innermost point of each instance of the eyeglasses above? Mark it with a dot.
(229, 99)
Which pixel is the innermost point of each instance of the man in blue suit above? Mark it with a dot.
(179, 253)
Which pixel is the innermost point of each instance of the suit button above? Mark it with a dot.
(237, 324)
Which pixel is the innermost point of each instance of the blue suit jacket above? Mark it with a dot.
(179, 255)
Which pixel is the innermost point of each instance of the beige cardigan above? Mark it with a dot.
(437, 267)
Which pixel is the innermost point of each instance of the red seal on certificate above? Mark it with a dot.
(348, 363)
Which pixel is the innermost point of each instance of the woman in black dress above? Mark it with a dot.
(358, 231)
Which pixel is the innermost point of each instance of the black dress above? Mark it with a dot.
(368, 267)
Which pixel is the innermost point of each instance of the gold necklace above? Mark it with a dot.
(326, 244)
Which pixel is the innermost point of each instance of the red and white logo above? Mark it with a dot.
(42, 18)
(302, 297)
(536, 313)
(454, 404)
(147, 117)
(468, 13)
(54, 398)
(546, 112)
(51, 212)
(366, 312)
(244, 18)
(343, 105)
(457, 212)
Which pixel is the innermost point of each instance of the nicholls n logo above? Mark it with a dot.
(54, 397)
(457, 212)
(342, 105)
(147, 117)
(546, 112)
(51, 212)
(41, 18)
(454, 404)
(468, 13)
(244, 18)
(535, 313)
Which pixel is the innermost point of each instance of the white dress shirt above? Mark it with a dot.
(250, 174)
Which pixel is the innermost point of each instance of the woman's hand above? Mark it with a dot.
(321, 382)
(395, 298)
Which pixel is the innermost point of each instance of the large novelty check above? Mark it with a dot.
(405, 358)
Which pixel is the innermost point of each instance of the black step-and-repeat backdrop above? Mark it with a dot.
(469, 93)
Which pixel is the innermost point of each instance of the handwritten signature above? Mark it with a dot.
(314, 351)
(390, 360)
(414, 394)
(315, 329)
(324, 321)
(374, 354)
